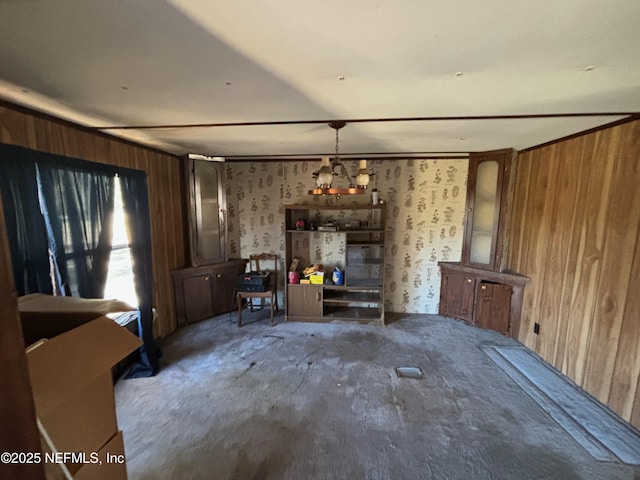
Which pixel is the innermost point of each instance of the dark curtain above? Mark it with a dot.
(77, 205)
(65, 204)
(25, 224)
(135, 202)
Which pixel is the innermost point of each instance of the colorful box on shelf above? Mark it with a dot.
(317, 278)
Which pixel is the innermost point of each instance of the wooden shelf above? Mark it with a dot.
(365, 261)
(304, 206)
(364, 243)
(348, 296)
(351, 313)
(361, 298)
(364, 282)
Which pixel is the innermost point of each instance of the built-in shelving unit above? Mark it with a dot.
(356, 246)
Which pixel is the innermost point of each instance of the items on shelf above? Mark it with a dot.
(328, 226)
(353, 225)
(316, 278)
(294, 264)
(316, 267)
(294, 277)
(314, 273)
(338, 276)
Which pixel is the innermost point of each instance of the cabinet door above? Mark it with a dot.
(457, 298)
(487, 205)
(224, 289)
(494, 307)
(304, 300)
(198, 299)
(207, 212)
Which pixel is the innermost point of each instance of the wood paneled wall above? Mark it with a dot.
(575, 226)
(17, 410)
(164, 173)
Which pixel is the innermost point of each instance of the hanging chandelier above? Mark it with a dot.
(333, 169)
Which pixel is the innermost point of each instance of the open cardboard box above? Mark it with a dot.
(73, 395)
(46, 316)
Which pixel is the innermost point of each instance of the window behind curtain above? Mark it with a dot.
(77, 205)
(120, 282)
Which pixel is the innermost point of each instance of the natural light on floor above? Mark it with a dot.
(120, 283)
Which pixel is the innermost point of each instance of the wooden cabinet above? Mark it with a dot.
(478, 289)
(489, 198)
(206, 291)
(487, 299)
(207, 288)
(355, 243)
(207, 211)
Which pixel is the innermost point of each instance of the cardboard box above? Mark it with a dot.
(47, 316)
(107, 464)
(73, 387)
(108, 469)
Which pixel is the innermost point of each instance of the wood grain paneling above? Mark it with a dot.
(575, 230)
(624, 382)
(166, 198)
(17, 410)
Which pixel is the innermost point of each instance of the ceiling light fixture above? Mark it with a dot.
(333, 168)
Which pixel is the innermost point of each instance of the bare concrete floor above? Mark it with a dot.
(322, 401)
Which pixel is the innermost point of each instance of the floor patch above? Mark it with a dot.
(410, 372)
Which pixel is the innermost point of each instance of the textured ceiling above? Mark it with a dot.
(185, 62)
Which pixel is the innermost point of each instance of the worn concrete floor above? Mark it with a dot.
(322, 401)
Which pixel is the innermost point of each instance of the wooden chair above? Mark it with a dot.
(263, 262)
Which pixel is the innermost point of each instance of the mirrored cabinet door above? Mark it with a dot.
(207, 212)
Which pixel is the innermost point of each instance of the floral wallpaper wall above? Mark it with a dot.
(424, 219)
(255, 213)
(425, 214)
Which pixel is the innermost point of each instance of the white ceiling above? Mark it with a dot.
(183, 62)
